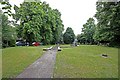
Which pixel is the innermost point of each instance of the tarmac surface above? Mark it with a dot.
(41, 68)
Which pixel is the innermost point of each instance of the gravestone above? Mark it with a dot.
(75, 43)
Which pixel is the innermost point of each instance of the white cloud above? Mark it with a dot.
(74, 12)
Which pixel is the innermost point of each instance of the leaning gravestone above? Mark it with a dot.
(75, 43)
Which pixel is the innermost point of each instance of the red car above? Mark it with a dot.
(35, 43)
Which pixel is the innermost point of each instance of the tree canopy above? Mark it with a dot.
(8, 32)
(6, 7)
(38, 22)
(108, 26)
(107, 29)
(87, 32)
(68, 36)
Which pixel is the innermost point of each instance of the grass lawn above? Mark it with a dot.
(86, 61)
(16, 59)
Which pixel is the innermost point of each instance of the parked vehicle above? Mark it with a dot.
(36, 43)
(20, 43)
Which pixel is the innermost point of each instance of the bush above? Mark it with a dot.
(12, 43)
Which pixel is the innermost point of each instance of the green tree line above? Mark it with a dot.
(38, 23)
(107, 29)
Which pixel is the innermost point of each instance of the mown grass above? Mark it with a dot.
(86, 61)
(16, 59)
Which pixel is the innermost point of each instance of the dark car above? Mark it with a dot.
(20, 43)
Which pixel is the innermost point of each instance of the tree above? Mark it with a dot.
(81, 39)
(88, 30)
(0, 28)
(68, 36)
(8, 33)
(30, 21)
(108, 19)
(58, 28)
(38, 22)
(6, 7)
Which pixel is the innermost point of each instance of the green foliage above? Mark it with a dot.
(6, 7)
(108, 27)
(81, 39)
(88, 31)
(8, 32)
(12, 43)
(0, 28)
(38, 22)
(68, 36)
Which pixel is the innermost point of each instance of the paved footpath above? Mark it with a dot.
(42, 68)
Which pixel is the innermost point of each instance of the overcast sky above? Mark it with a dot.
(74, 12)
